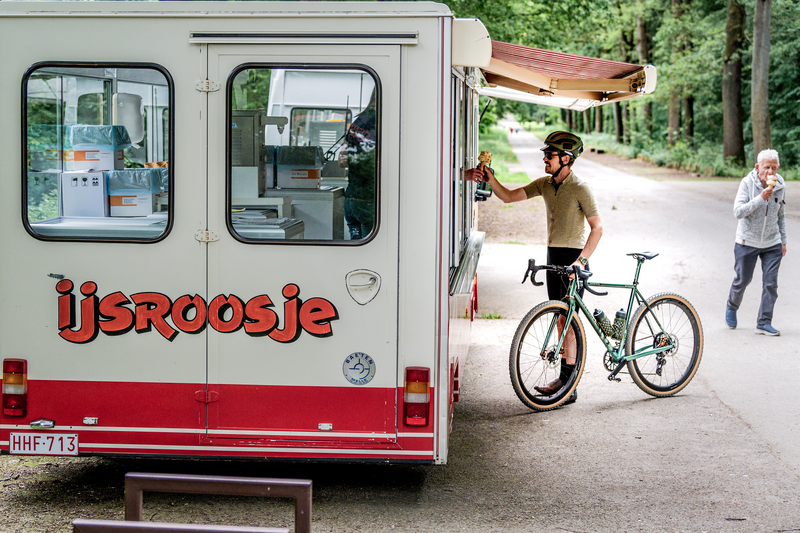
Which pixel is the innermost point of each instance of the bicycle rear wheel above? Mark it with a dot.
(533, 360)
(668, 372)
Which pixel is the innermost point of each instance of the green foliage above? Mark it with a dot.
(686, 46)
(251, 89)
(489, 118)
(553, 25)
(46, 207)
(784, 81)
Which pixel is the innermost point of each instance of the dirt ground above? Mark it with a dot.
(524, 222)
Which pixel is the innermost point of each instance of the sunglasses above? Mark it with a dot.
(550, 155)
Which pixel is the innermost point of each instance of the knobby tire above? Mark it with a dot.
(666, 373)
(534, 363)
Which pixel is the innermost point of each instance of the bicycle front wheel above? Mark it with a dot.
(534, 362)
(670, 319)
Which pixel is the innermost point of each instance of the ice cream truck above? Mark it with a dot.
(188, 271)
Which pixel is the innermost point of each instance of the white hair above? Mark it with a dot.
(769, 154)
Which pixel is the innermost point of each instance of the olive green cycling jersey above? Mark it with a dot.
(568, 205)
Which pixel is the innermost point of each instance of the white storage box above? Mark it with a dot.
(99, 160)
(97, 147)
(83, 194)
(299, 167)
(244, 182)
(134, 192)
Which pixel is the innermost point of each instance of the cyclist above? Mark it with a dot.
(569, 201)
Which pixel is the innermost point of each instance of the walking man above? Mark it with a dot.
(760, 234)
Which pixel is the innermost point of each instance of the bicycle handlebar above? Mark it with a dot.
(580, 274)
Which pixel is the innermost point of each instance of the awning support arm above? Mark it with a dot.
(485, 108)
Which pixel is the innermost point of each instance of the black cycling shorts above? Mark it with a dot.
(557, 286)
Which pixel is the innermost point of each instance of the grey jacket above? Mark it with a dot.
(761, 223)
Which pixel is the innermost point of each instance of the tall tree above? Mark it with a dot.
(732, 113)
(618, 127)
(598, 119)
(643, 49)
(674, 116)
(759, 103)
(688, 117)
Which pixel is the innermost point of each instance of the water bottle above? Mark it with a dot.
(619, 324)
(603, 321)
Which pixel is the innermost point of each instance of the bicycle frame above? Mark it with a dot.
(616, 352)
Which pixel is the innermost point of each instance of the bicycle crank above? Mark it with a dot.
(613, 375)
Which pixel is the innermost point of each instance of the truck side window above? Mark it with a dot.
(304, 147)
(97, 148)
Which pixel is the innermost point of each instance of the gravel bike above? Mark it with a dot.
(661, 342)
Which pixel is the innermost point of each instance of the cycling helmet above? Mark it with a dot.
(566, 143)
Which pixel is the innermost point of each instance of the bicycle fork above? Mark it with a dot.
(559, 350)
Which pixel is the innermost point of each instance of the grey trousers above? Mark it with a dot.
(746, 257)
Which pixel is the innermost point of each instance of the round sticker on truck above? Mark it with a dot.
(358, 368)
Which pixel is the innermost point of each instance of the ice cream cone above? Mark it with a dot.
(485, 158)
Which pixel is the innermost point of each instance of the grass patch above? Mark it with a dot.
(491, 316)
(513, 242)
(496, 141)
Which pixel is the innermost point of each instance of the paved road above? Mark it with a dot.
(690, 223)
(720, 457)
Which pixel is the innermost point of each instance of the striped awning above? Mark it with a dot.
(544, 77)
(564, 80)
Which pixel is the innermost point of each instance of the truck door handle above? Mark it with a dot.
(363, 285)
(370, 283)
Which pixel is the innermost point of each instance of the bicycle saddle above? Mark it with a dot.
(644, 255)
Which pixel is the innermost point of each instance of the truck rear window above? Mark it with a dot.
(304, 146)
(97, 145)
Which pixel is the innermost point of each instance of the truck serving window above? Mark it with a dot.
(96, 152)
(303, 154)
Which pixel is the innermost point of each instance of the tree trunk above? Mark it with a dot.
(759, 113)
(587, 126)
(618, 129)
(598, 119)
(643, 48)
(626, 122)
(688, 119)
(674, 118)
(732, 113)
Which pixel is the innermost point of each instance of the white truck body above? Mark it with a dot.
(187, 331)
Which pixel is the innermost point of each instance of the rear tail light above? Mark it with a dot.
(417, 396)
(15, 387)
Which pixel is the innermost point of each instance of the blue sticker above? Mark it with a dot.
(358, 368)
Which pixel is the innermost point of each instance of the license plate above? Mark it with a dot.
(44, 443)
